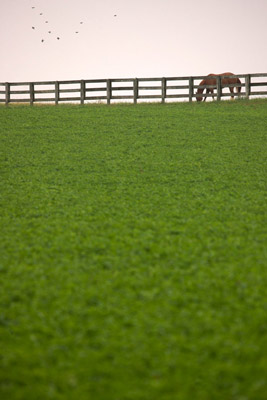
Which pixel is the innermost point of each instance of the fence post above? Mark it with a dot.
(109, 91)
(7, 85)
(56, 92)
(163, 89)
(219, 88)
(82, 91)
(135, 89)
(31, 93)
(247, 85)
(191, 88)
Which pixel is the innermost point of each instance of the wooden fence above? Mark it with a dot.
(134, 89)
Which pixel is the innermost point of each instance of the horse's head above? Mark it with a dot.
(200, 91)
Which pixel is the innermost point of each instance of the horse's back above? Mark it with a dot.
(231, 78)
(227, 74)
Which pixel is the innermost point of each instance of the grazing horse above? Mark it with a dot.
(224, 82)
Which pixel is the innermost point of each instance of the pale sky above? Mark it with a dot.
(130, 38)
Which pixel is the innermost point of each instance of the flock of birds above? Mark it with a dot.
(50, 32)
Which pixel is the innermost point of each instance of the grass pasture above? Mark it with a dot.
(133, 252)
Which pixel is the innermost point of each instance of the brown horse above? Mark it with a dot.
(224, 82)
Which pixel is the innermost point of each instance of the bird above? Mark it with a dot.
(46, 22)
(81, 22)
(58, 38)
(41, 13)
(42, 40)
(33, 27)
(115, 15)
(33, 7)
(76, 32)
(49, 31)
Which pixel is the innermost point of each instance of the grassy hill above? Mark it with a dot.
(133, 252)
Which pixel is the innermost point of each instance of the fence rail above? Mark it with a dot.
(125, 89)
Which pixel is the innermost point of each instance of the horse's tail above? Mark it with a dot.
(238, 88)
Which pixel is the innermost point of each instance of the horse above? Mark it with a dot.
(224, 82)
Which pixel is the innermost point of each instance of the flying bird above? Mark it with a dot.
(81, 22)
(49, 31)
(115, 15)
(42, 40)
(58, 38)
(46, 22)
(33, 27)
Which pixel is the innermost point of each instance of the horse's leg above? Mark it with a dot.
(212, 93)
(232, 91)
(207, 92)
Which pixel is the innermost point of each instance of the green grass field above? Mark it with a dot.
(133, 252)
